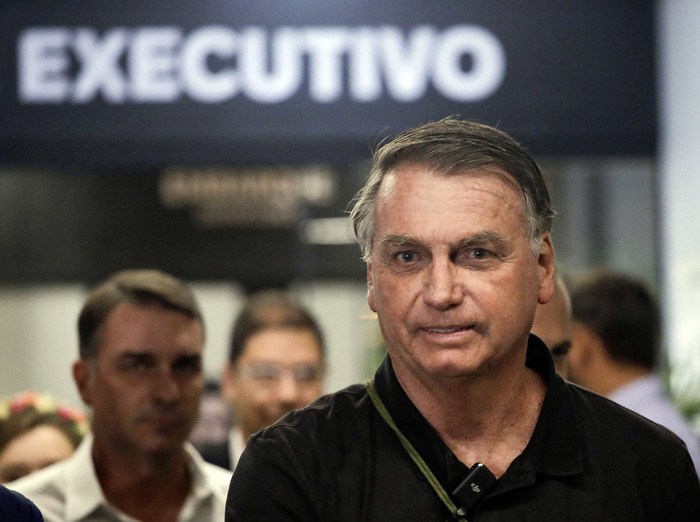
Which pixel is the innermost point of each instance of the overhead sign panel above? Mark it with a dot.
(178, 81)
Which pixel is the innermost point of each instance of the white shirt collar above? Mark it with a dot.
(84, 494)
(236, 445)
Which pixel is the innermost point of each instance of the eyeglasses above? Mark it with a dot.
(267, 373)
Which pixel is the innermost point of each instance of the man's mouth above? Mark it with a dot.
(446, 329)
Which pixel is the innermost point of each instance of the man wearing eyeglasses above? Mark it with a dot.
(276, 364)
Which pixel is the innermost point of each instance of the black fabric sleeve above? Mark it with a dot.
(266, 487)
(687, 498)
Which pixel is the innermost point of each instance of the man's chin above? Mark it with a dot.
(451, 365)
(165, 445)
(164, 451)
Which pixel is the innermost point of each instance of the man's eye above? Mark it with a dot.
(406, 256)
(188, 366)
(136, 365)
(307, 373)
(476, 257)
(480, 253)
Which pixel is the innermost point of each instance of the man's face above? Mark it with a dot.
(145, 383)
(279, 370)
(452, 277)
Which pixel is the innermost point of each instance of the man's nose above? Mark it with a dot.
(443, 289)
(166, 385)
(287, 387)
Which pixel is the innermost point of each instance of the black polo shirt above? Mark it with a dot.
(589, 459)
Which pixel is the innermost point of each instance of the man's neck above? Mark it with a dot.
(483, 419)
(153, 489)
(619, 375)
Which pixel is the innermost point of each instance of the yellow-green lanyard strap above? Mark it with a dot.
(412, 452)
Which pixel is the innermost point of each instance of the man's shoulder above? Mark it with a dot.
(16, 507)
(332, 433)
(335, 412)
(618, 423)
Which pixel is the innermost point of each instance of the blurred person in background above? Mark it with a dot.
(276, 364)
(553, 325)
(141, 337)
(616, 348)
(36, 431)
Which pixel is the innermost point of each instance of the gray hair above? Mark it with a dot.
(453, 146)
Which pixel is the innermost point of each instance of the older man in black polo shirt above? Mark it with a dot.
(466, 418)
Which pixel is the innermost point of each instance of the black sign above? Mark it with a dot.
(145, 84)
(197, 224)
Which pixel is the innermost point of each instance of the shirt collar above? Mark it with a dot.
(203, 486)
(410, 421)
(84, 494)
(236, 445)
(554, 447)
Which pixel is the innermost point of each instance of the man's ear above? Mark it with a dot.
(371, 297)
(545, 261)
(82, 374)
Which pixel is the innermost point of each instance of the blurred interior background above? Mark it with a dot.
(222, 142)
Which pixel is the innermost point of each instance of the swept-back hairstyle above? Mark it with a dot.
(141, 286)
(454, 146)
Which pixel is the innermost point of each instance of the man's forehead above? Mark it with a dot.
(128, 312)
(488, 173)
(407, 168)
(285, 341)
(147, 329)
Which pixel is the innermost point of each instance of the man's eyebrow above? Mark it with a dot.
(397, 240)
(135, 354)
(487, 238)
(482, 238)
(189, 358)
